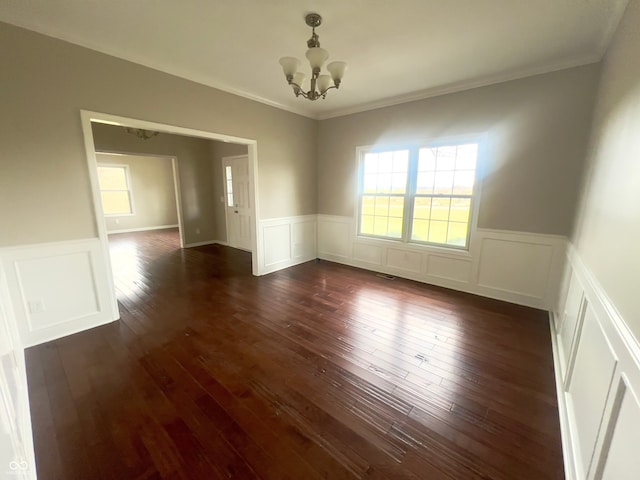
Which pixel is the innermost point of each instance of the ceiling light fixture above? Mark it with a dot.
(140, 133)
(320, 84)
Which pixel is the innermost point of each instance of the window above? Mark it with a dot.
(115, 189)
(421, 195)
(229, 180)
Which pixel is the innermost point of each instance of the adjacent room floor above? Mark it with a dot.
(320, 371)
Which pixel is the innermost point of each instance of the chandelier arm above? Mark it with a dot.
(324, 94)
(300, 92)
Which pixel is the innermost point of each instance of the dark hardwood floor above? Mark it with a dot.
(319, 371)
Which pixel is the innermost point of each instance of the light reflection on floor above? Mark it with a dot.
(126, 265)
(406, 340)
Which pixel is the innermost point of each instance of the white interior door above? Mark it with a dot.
(239, 210)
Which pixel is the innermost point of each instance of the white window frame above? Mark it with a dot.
(410, 195)
(127, 175)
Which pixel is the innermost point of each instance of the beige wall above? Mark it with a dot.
(194, 173)
(218, 151)
(537, 130)
(152, 190)
(45, 193)
(607, 234)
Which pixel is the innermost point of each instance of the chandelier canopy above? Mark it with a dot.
(320, 84)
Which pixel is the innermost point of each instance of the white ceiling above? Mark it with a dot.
(396, 50)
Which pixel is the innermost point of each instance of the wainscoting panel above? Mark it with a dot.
(334, 238)
(277, 244)
(575, 308)
(515, 257)
(588, 384)
(368, 254)
(623, 439)
(449, 268)
(16, 443)
(287, 241)
(403, 260)
(57, 289)
(304, 240)
(597, 362)
(513, 266)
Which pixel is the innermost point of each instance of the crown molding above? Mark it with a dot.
(602, 46)
(200, 79)
(460, 87)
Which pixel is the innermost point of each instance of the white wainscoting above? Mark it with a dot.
(521, 268)
(17, 459)
(597, 362)
(57, 289)
(286, 242)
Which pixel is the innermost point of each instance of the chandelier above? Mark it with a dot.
(320, 84)
(140, 133)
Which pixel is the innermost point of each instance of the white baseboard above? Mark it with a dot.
(517, 267)
(201, 244)
(141, 229)
(57, 289)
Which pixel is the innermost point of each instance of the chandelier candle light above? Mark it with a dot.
(320, 84)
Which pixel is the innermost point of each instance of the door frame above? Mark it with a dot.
(224, 180)
(87, 117)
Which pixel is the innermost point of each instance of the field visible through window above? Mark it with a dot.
(438, 193)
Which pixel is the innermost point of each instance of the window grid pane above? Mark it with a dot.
(382, 215)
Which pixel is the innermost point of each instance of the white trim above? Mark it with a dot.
(606, 306)
(623, 352)
(92, 164)
(480, 270)
(292, 219)
(52, 274)
(200, 244)
(17, 395)
(288, 241)
(480, 139)
(175, 169)
(252, 151)
(587, 59)
(565, 424)
(142, 229)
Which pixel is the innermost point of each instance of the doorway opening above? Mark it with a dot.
(192, 217)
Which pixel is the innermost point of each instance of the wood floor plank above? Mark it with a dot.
(320, 371)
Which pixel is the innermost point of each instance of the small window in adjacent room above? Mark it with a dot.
(419, 195)
(115, 189)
